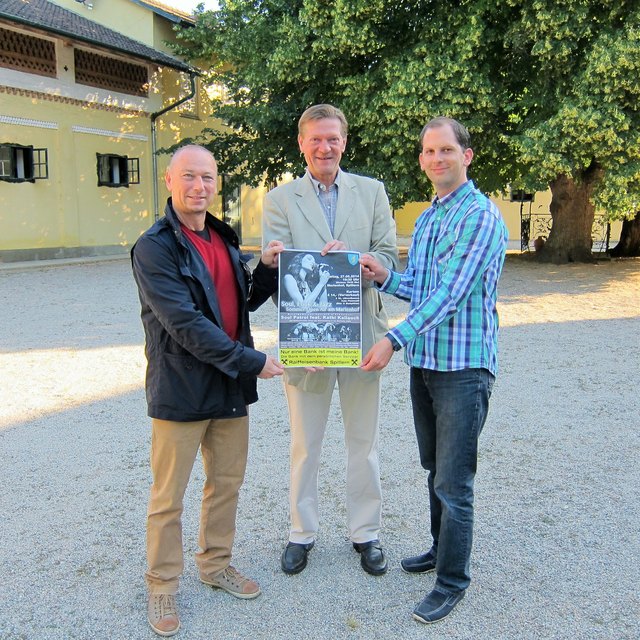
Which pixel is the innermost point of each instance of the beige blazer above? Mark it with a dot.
(293, 214)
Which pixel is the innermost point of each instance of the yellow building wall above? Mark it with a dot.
(161, 33)
(29, 211)
(406, 216)
(69, 209)
(68, 213)
(110, 215)
(129, 18)
(120, 15)
(251, 200)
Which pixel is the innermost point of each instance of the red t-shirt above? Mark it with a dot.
(218, 262)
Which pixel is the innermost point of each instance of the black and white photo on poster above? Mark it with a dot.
(319, 309)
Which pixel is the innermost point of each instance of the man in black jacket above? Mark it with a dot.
(196, 292)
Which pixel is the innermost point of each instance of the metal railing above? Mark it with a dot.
(538, 225)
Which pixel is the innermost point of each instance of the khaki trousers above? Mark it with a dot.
(174, 446)
(308, 413)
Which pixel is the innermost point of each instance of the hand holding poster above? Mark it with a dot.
(319, 309)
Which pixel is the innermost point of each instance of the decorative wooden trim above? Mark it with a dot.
(113, 74)
(24, 52)
(27, 93)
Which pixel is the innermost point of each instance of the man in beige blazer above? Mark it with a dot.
(330, 210)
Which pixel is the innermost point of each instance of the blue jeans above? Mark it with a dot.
(449, 411)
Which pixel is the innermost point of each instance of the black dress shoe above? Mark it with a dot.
(419, 564)
(436, 605)
(371, 557)
(294, 557)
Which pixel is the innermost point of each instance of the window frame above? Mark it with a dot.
(115, 170)
(190, 108)
(520, 195)
(26, 163)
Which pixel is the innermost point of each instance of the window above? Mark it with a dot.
(520, 195)
(189, 109)
(117, 171)
(218, 92)
(20, 163)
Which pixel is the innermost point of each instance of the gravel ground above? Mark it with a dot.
(557, 492)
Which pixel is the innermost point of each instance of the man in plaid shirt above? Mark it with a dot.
(450, 335)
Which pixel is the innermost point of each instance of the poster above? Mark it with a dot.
(320, 309)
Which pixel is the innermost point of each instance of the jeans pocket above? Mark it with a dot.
(490, 382)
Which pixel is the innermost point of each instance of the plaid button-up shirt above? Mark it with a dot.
(451, 279)
(328, 197)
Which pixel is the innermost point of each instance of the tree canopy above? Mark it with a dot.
(549, 91)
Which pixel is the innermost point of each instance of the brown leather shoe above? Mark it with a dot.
(162, 614)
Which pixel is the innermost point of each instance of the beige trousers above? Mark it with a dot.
(174, 446)
(308, 414)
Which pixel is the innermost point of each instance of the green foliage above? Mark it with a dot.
(546, 88)
(579, 107)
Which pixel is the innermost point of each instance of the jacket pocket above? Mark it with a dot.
(358, 235)
(188, 386)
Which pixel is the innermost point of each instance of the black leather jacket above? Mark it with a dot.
(194, 370)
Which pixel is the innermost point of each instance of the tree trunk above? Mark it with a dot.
(629, 245)
(572, 214)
